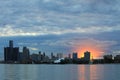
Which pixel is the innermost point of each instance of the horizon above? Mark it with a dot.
(79, 55)
(60, 27)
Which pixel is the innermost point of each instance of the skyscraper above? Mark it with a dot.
(11, 43)
(39, 56)
(52, 55)
(26, 54)
(87, 56)
(75, 55)
(11, 53)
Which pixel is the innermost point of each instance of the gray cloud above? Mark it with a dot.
(59, 22)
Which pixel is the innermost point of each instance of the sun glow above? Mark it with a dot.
(94, 52)
(92, 47)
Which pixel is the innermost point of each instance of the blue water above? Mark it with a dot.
(59, 72)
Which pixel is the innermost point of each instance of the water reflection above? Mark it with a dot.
(19, 72)
(90, 72)
(59, 72)
(10, 72)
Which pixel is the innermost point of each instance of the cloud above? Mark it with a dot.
(33, 18)
(9, 30)
(33, 49)
(57, 23)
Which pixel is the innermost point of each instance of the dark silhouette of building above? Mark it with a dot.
(11, 53)
(44, 54)
(53, 57)
(39, 56)
(24, 56)
(108, 58)
(75, 55)
(87, 56)
(117, 59)
(34, 57)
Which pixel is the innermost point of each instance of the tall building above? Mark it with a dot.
(26, 54)
(52, 55)
(11, 53)
(87, 56)
(44, 54)
(39, 56)
(11, 43)
(75, 55)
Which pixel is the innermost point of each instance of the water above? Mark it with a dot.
(59, 72)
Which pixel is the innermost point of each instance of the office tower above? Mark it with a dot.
(44, 54)
(87, 56)
(11, 53)
(75, 55)
(39, 56)
(11, 43)
(52, 55)
(26, 54)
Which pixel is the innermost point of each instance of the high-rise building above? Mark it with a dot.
(74, 56)
(52, 55)
(11, 43)
(26, 54)
(11, 54)
(44, 54)
(39, 56)
(87, 56)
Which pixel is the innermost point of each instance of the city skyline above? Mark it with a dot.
(60, 26)
(59, 39)
(12, 55)
(13, 50)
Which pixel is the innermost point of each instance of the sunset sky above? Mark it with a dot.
(61, 26)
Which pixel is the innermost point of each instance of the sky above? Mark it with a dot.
(61, 26)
